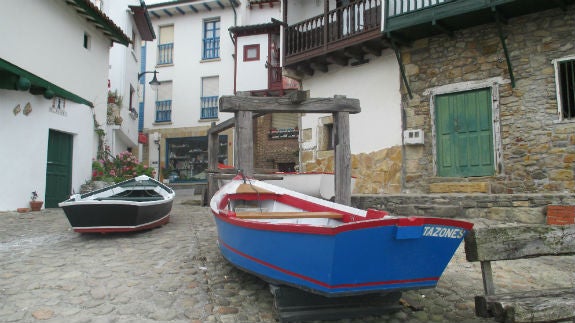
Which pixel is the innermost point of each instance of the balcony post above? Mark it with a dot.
(325, 23)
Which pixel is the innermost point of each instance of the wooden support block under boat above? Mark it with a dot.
(287, 215)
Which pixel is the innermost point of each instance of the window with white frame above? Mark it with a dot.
(565, 85)
(209, 98)
(166, 45)
(211, 39)
(164, 102)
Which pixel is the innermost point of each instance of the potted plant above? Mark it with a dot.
(35, 204)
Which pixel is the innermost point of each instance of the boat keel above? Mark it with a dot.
(293, 305)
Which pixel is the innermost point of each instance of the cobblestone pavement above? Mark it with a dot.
(49, 273)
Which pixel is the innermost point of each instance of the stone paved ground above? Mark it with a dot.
(175, 273)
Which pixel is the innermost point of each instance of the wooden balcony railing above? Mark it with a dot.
(400, 7)
(337, 25)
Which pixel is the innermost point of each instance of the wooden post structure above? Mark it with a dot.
(244, 143)
(245, 107)
(342, 158)
(213, 148)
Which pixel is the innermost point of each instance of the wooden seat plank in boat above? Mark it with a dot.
(247, 188)
(287, 215)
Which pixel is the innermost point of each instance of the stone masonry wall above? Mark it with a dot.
(537, 151)
(378, 172)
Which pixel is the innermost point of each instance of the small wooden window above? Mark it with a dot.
(251, 52)
(566, 88)
(86, 41)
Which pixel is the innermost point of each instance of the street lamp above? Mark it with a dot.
(154, 83)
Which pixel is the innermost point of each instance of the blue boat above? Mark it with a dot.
(289, 238)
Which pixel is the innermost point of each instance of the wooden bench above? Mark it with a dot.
(288, 215)
(509, 242)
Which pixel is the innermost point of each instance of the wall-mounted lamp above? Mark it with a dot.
(154, 83)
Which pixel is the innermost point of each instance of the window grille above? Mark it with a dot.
(166, 45)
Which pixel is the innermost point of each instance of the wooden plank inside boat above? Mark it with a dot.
(247, 188)
(288, 215)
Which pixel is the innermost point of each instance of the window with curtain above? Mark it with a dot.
(211, 39)
(210, 96)
(166, 45)
(164, 102)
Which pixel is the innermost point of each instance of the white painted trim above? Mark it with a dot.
(555, 63)
(466, 86)
(492, 83)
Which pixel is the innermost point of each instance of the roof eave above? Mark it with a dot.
(100, 20)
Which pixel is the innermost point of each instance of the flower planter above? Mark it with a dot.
(36, 205)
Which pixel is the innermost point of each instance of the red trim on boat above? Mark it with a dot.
(325, 285)
(350, 226)
(150, 225)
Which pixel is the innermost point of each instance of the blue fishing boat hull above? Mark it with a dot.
(380, 258)
(289, 238)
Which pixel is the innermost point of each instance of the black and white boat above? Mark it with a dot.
(136, 204)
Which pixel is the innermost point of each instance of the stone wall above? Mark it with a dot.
(536, 151)
(377, 172)
(521, 208)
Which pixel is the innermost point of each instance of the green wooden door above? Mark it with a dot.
(59, 168)
(464, 131)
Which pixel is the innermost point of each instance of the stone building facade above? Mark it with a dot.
(533, 147)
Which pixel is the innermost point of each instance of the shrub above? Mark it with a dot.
(122, 167)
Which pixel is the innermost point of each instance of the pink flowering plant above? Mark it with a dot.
(119, 168)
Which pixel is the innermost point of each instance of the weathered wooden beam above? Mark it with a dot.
(371, 49)
(228, 124)
(213, 148)
(261, 177)
(305, 68)
(244, 145)
(441, 27)
(342, 158)
(519, 241)
(547, 305)
(338, 60)
(354, 53)
(286, 104)
(319, 66)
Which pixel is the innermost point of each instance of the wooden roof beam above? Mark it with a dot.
(319, 66)
(338, 60)
(441, 27)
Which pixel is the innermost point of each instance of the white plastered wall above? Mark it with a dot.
(376, 85)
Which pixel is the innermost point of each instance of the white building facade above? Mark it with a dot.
(51, 90)
(124, 87)
(193, 57)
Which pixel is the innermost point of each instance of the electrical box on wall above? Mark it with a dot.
(413, 137)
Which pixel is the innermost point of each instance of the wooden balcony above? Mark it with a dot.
(347, 34)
